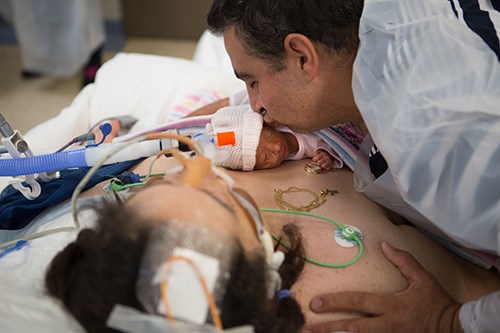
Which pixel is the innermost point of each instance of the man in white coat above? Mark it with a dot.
(424, 76)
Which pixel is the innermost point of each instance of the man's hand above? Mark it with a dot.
(423, 307)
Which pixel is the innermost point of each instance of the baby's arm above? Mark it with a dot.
(311, 145)
(236, 99)
(323, 159)
(210, 108)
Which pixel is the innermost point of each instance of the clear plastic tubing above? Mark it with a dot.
(85, 157)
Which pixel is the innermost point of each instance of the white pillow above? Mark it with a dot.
(148, 87)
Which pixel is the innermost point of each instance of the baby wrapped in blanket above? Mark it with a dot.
(260, 146)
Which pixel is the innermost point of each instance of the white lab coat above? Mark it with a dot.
(428, 88)
(57, 37)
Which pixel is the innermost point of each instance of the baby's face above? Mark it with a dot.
(272, 149)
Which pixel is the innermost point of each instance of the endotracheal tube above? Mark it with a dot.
(84, 157)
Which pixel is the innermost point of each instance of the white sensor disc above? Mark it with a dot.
(345, 238)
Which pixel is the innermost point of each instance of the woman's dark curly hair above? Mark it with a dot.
(100, 268)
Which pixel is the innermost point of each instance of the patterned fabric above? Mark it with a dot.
(193, 102)
(344, 138)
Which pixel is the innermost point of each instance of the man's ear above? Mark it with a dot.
(301, 52)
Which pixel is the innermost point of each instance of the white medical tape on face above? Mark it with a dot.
(267, 242)
(186, 296)
(274, 282)
(273, 259)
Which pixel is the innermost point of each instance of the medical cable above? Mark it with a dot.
(355, 237)
(105, 129)
(84, 157)
(229, 181)
(184, 126)
(83, 182)
(5, 129)
(112, 149)
(39, 235)
(210, 299)
(126, 122)
(81, 185)
(17, 246)
(120, 183)
(77, 139)
(79, 188)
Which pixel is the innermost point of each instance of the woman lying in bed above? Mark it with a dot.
(116, 262)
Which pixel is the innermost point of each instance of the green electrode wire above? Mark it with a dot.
(113, 186)
(339, 225)
(116, 185)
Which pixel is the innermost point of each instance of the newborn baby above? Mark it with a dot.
(260, 146)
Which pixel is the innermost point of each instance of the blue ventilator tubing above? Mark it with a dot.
(85, 157)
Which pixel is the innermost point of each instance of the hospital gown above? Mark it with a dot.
(427, 82)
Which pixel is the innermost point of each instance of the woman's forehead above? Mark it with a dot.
(165, 200)
(211, 205)
(174, 184)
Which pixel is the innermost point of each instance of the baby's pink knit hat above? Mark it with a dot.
(246, 126)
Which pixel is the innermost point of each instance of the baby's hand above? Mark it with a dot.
(323, 159)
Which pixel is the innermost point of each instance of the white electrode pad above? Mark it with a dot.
(345, 237)
(186, 297)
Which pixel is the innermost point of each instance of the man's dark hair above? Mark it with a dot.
(262, 25)
(100, 268)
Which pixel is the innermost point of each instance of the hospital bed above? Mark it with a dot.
(146, 87)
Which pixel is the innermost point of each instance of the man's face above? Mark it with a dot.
(290, 97)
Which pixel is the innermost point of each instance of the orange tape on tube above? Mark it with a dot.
(226, 139)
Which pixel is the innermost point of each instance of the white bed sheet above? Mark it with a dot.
(144, 86)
